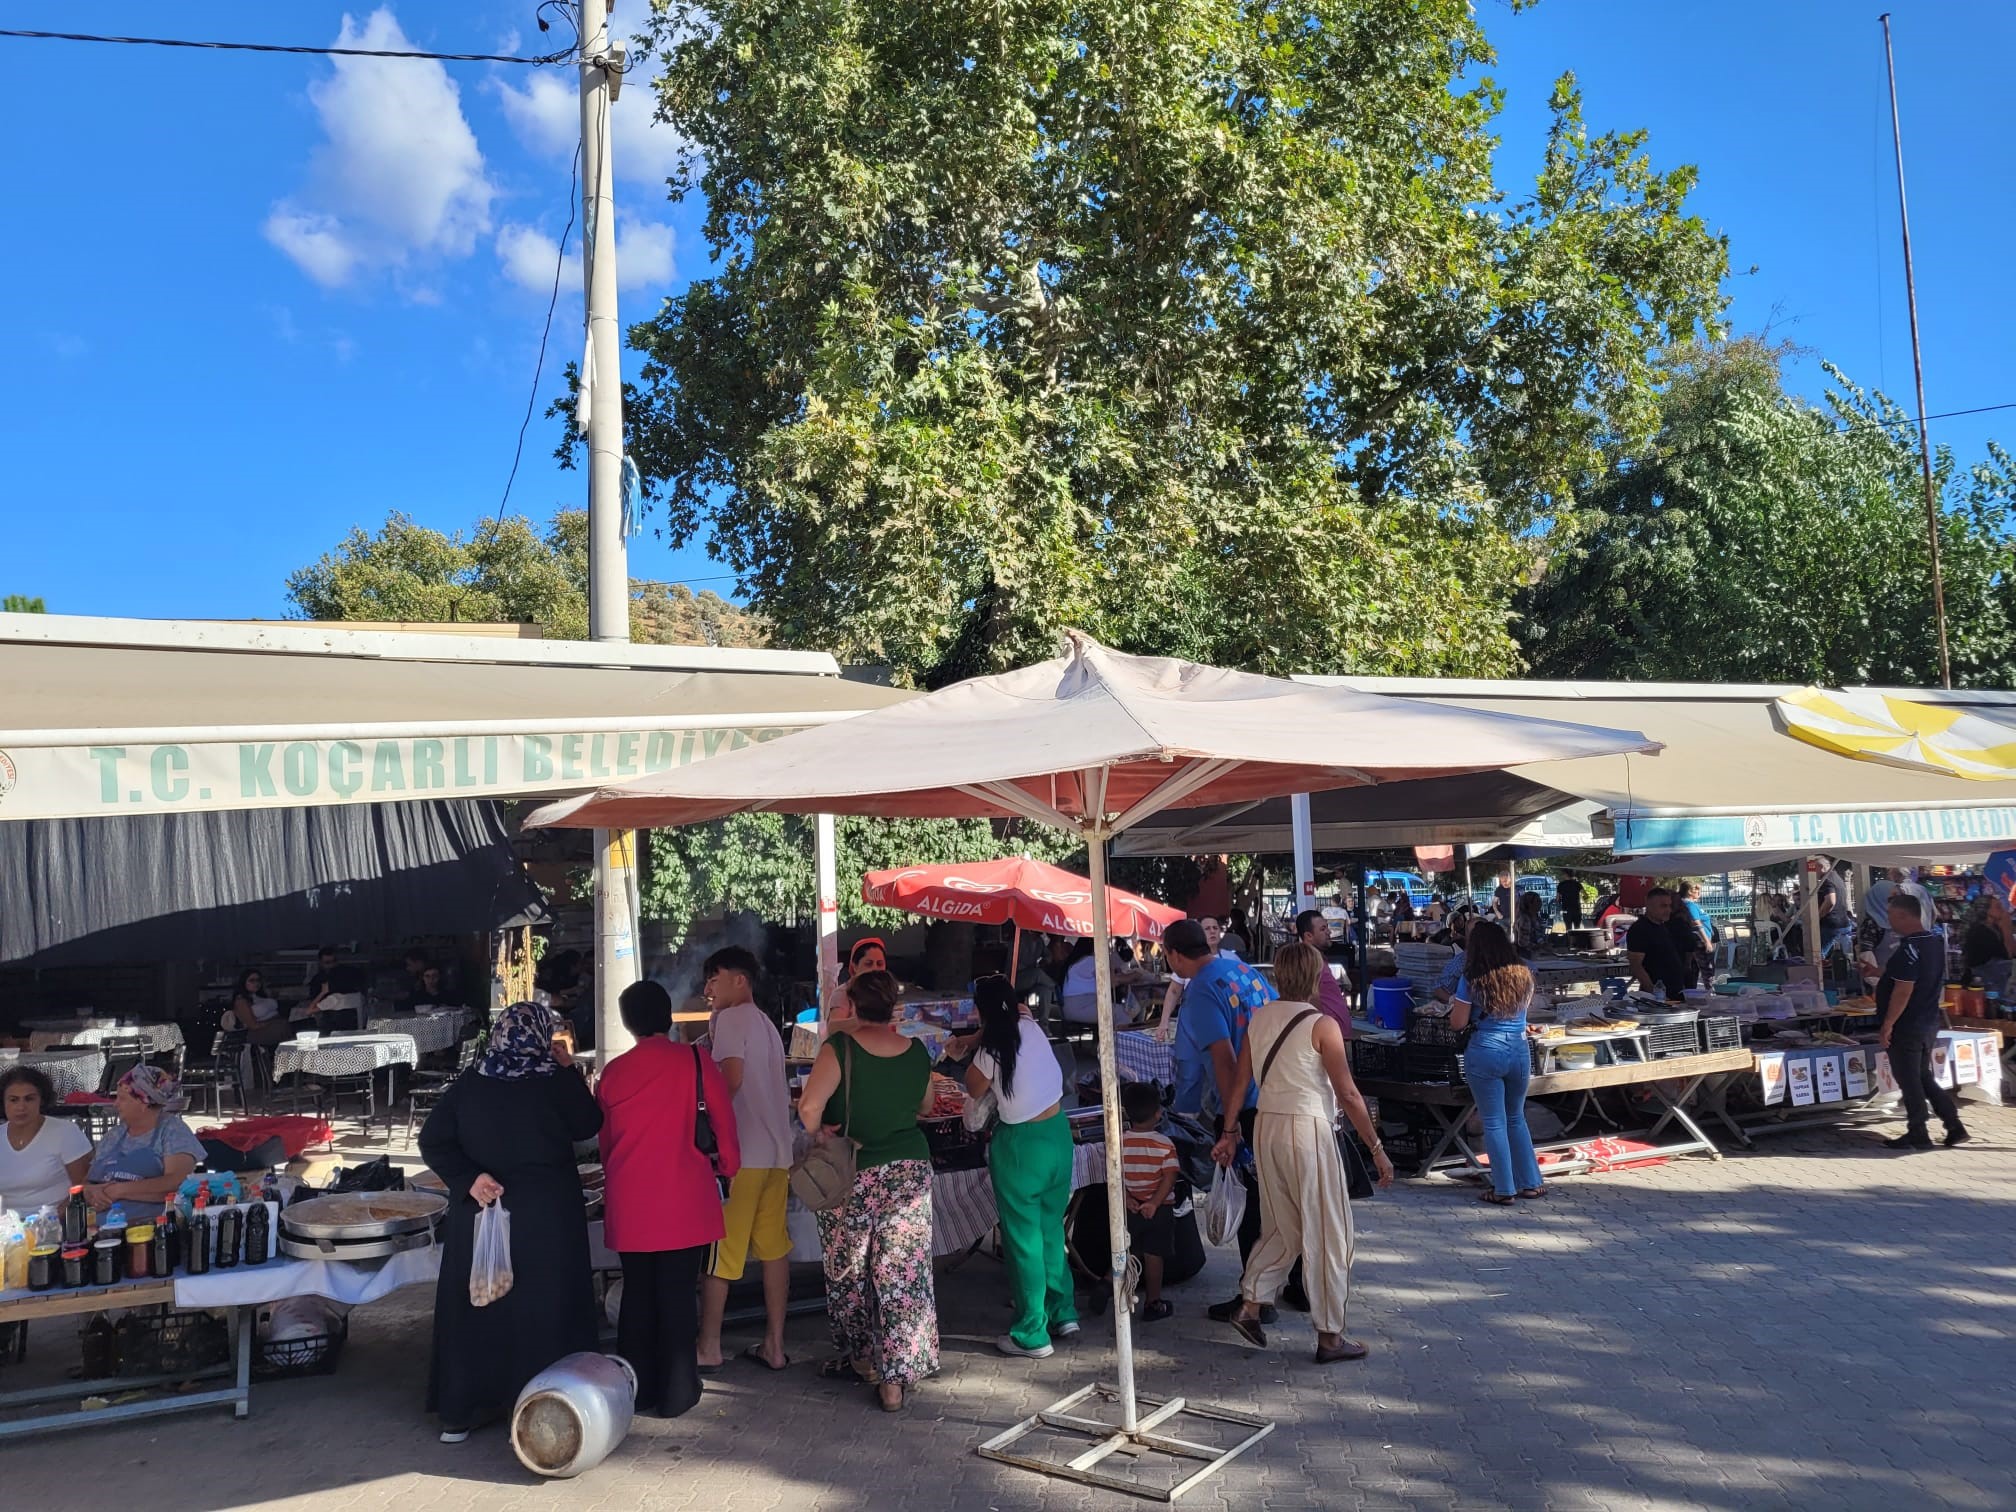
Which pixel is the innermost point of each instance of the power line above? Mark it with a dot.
(277, 47)
(539, 367)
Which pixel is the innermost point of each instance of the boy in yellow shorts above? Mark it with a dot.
(750, 1052)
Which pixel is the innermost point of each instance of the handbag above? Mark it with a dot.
(823, 1176)
(1358, 1182)
(704, 1139)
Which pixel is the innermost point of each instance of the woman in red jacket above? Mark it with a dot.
(664, 1198)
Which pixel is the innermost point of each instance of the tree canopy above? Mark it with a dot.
(1760, 538)
(21, 603)
(503, 571)
(1202, 324)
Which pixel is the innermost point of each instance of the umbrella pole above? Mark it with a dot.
(1109, 1094)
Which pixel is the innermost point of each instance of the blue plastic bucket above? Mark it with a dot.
(1391, 998)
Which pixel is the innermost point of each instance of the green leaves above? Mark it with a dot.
(1201, 324)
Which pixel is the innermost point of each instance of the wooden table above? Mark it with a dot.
(1450, 1102)
(23, 1306)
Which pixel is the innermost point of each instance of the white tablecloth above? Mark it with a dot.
(437, 1029)
(345, 1054)
(160, 1038)
(339, 1280)
(69, 1070)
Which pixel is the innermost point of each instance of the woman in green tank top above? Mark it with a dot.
(871, 1086)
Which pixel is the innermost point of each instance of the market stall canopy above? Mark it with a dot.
(1157, 730)
(1565, 831)
(109, 716)
(1728, 781)
(219, 886)
(1029, 894)
(1901, 732)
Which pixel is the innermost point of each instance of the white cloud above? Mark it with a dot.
(643, 256)
(400, 178)
(546, 115)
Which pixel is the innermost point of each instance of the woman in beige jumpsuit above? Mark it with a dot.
(1304, 1209)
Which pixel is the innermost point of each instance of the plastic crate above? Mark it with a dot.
(1721, 1033)
(1430, 1029)
(1665, 1041)
(165, 1343)
(1432, 1063)
(288, 1359)
(953, 1146)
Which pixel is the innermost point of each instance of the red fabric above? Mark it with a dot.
(86, 1099)
(1032, 894)
(661, 1193)
(296, 1132)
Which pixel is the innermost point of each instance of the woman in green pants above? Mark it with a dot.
(1030, 1157)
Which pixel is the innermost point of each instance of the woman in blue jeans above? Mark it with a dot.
(1497, 987)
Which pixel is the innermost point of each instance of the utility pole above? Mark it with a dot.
(1918, 372)
(608, 558)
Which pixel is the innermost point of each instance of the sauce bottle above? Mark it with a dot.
(162, 1261)
(140, 1251)
(196, 1246)
(43, 1268)
(76, 1217)
(258, 1235)
(228, 1223)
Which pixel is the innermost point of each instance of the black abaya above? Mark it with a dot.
(522, 1133)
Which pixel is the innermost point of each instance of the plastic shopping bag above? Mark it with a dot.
(490, 1269)
(1224, 1207)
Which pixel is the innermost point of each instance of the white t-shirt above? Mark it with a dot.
(35, 1177)
(1082, 980)
(1039, 1080)
(763, 1105)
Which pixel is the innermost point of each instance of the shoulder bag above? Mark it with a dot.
(823, 1177)
(1358, 1182)
(704, 1139)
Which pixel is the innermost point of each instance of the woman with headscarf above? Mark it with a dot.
(505, 1131)
(142, 1162)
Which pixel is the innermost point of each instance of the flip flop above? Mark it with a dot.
(1495, 1200)
(712, 1369)
(755, 1352)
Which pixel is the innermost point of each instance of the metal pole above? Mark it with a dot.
(1918, 371)
(1364, 946)
(823, 865)
(1109, 1097)
(1305, 852)
(608, 558)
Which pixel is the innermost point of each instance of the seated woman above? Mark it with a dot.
(254, 1013)
(43, 1157)
(144, 1159)
(1080, 999)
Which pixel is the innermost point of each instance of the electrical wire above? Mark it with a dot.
(541, 59)
(539, 367)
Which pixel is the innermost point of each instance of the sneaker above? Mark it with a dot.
(454, 1435)
(1156, 1311)
(1957, 1135)
(1065, 1331)
(1008, 1346)
(1225, 1312)
(1910, 1142)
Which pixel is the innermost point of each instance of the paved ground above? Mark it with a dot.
(1818, 1324)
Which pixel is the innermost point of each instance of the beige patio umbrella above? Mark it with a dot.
(1092, 743)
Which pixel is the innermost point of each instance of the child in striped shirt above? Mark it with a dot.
(1148, 1168)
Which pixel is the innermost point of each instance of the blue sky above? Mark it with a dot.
(249, 314)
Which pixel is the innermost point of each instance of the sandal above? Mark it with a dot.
(840, 1368)
(886, 1404)
(1533, 1194)
(1495, 1200)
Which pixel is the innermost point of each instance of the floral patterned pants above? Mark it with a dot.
(879, 1292)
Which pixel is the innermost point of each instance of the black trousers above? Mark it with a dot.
(1249, 1223)
(658, 1325)
(1911, 1064)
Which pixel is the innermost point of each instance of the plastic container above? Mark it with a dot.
(1391, 998)
(44, 1269)
(105, 1261)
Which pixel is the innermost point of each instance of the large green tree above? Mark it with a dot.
(1761, 538)
(504, 570)
(1203, 324)
(21, 603)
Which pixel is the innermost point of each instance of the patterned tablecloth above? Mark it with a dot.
(439, 1029)
(962, 1202)
(1139, 1056)
(161, 1038)
(69, 1070)
(345, 1054)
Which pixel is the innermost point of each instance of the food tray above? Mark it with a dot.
(363, 1215)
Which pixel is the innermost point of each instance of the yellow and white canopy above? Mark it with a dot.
(1918, 737)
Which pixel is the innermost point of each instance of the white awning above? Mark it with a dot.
(134, 716)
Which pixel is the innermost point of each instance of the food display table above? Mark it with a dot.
(1799, 1087)
(1139, 1056)
(1676, 1083)
(2004, 1031)
(963, 1211)
(432, 1031)
(27, 1306)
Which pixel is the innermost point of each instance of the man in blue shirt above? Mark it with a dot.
(1210, 1032)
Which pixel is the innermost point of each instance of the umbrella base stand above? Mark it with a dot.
(1147, 1445)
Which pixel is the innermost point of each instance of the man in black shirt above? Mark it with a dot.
(1568, 894)
(1908, 997)
(1653, 951)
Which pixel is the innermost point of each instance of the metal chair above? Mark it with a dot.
(206, 1080)
(122, 1054)
(427, 1086)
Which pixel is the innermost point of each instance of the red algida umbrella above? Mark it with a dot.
(1017, 890)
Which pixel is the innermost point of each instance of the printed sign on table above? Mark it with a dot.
(1886, 1079)
(1966, 1066)
(1942, 1062)
(1855, 1072)
(1799, 1077)
(1771, 1074)
(1827, 1077)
